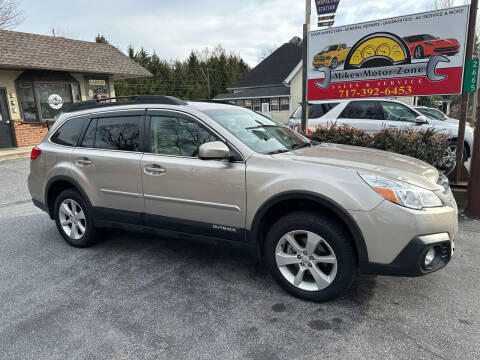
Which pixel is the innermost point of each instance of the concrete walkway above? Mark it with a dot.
(15, 153)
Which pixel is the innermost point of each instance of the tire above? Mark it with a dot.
(331, 238)
(418, 53)
(82, 230)
(334, 63)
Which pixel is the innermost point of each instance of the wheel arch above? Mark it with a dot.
(281, 204)
(55, 186)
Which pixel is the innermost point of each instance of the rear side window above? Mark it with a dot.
(69, 132)
(318, 110)
(115, 133)
(362, 110)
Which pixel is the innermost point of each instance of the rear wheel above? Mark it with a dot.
(418, 52)
(73, 219)
(334, 63)
(310, 256)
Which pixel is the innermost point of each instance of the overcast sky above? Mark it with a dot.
(173, 27)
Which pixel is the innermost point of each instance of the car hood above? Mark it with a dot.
(371, 161)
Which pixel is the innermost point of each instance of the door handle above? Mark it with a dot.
(154, 170)
(83, 162)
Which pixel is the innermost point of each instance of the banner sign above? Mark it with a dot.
(420, 54)
(326, 6)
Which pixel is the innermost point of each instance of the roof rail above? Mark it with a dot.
(136, 99)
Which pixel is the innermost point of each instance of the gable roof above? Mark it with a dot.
(257, 92)
(20, 50)
(274, 69)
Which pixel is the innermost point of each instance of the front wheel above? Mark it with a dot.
(418, 52)
(334, 63)
(310, 256)
(73, 219)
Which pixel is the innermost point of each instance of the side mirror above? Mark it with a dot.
(214, 150)
(420, 120)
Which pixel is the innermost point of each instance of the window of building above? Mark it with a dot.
(285, 104)
(97, 88)
(248, 104)
(178, 136)
(274, 104)
(69, 132)
(43, 95)
(239, 102)
(115, 133)
(256, 104)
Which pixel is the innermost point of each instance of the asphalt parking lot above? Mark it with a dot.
(138, 297)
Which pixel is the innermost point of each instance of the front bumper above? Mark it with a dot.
(397, 238)
(411, 260)
(320, 63)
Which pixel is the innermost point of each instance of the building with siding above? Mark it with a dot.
(41, 75)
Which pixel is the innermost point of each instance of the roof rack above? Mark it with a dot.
(135, 99)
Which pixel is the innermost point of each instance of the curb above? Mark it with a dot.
(15, 154)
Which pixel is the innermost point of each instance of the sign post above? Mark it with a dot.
(306, 29)
(471, 76)
(464, 102)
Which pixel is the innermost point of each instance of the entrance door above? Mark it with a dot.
(266, 108)
(6, 134)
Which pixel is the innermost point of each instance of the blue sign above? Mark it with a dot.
(326, 6)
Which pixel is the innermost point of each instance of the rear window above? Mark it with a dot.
(315, 110)
(115, 133)
(362, 110)
(69, 132)
(318, 110)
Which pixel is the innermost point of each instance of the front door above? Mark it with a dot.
(182, 191)
(6, 134)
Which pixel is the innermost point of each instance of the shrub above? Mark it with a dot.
(427, 145)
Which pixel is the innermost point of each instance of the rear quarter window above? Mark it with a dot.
(318, 110)
(69, 132)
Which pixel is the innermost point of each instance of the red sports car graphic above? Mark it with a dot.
(426, 45)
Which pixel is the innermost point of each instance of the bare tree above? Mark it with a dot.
(266, 53)
(10, 14)
(443, 4)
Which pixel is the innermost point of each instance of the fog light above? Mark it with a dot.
(430, 257)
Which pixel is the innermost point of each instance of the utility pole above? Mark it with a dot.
(473, 202)
(306, 29)
(464, 104)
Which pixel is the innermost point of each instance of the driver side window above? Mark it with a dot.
(177, 136)
(398, 112)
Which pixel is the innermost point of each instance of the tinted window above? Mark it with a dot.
(89, 137)
(119, 133)
(318, 110)
(397, 112)
(362, 110)
(176, 136)
(69, 132)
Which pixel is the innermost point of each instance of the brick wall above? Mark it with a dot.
(28, 134)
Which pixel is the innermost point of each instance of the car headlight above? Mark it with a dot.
(402, 193)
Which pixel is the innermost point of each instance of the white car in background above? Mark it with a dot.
(373, 115)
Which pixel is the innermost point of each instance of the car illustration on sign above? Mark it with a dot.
(331, 56)
(426, 45)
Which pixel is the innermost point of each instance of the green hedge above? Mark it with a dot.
(427, 145)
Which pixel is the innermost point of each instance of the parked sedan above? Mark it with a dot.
(372, 115)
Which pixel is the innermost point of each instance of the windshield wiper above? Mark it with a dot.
(299, 146)
(262, 126)
(279, 151)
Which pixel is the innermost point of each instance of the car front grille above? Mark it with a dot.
(450, 48)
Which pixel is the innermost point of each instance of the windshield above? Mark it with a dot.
(330, 48)
(258, 132)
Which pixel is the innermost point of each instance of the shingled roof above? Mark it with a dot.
(274, 69)
(20, 50)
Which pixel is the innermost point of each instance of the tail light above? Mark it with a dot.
(35, 153)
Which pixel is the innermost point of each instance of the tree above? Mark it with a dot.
(101, 39)
(10, 14)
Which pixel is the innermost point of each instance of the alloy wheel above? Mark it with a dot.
(449, 159)
(334, 63)
(72, 219)
(306, 260)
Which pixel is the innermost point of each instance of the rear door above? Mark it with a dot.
(183, 192)
(365, 115)
(107, 165)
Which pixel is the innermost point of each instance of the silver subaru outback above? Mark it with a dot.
(315, 213)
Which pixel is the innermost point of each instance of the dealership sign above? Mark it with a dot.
(420, 54)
